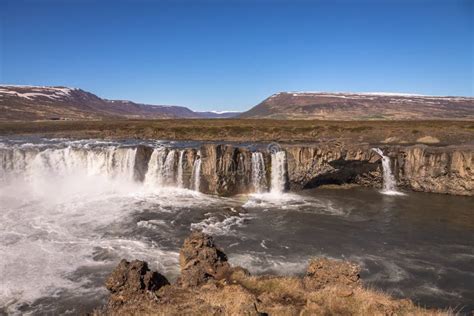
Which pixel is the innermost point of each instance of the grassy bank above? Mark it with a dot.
(430, 132)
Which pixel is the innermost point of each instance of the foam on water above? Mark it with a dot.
(216, 227)
(261, 263)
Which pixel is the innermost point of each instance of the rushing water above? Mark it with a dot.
(258, 172)
(389, 182)
(196, 176)
(180, 180)
(69, 213)
(278, 172)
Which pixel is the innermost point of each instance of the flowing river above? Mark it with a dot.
(70, 210)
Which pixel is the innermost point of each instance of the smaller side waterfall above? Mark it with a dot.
(168, 168)
(278, 180)
(180, 179)
(196, 175)
(389, 182)
(258, 172)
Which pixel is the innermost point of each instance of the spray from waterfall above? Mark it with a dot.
(278, 180)
(389, 182)
(258, 172)
(180, 170)
(196, 175)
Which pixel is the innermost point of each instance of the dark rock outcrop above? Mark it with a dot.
(200, 260)
(130, 281)
(329, 287)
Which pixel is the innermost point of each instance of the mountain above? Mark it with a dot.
(61, 103)
(361, 106)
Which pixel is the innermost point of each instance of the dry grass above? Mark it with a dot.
(447, 132)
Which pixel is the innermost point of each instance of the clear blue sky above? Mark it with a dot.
(230, 55)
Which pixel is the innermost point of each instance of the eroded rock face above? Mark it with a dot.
(432, 169)
(226, 170)
(312, 166)
(200, 260)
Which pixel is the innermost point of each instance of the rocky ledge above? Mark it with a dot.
(209, 285)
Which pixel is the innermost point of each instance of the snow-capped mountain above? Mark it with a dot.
(63, 103)
(361, 106)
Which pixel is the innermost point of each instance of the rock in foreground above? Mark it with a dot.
(208, 285)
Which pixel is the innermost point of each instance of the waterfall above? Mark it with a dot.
(258, 172)
(389, 182)
(154, 175)
(278, 180)
(34, 163)
(196, 176)
(180, 169)
(168, 168)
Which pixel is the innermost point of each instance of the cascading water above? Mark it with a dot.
(34, 163)
(168, 168)
(258, 172)
(389, 182)
(278, 180)
(154, 175)
(180, 170)
(196, 175)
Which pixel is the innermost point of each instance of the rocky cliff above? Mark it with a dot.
(227, 169)
(231, 169)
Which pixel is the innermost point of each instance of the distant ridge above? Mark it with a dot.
(362, 106)
(62, 103)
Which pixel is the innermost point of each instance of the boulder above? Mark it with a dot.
(200, 260)
(130, 278)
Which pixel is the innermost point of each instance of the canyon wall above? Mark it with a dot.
(229, 169)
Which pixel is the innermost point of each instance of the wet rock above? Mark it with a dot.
(200, 260)
(130, 278)
(142, 157)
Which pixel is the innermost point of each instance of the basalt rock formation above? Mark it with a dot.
(208, 285)
(230, 169)
(434, 169)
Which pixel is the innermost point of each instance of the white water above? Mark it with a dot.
(168, 168)
(161, 169)
(258, 172)
(154, 175)
(278, 180)
(180, 170)
(196, 175)
(389, 182)
(41, 167)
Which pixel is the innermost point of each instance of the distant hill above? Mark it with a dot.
(61, 103)
(361, 106)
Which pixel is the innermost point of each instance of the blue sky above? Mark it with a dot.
(230, 55)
